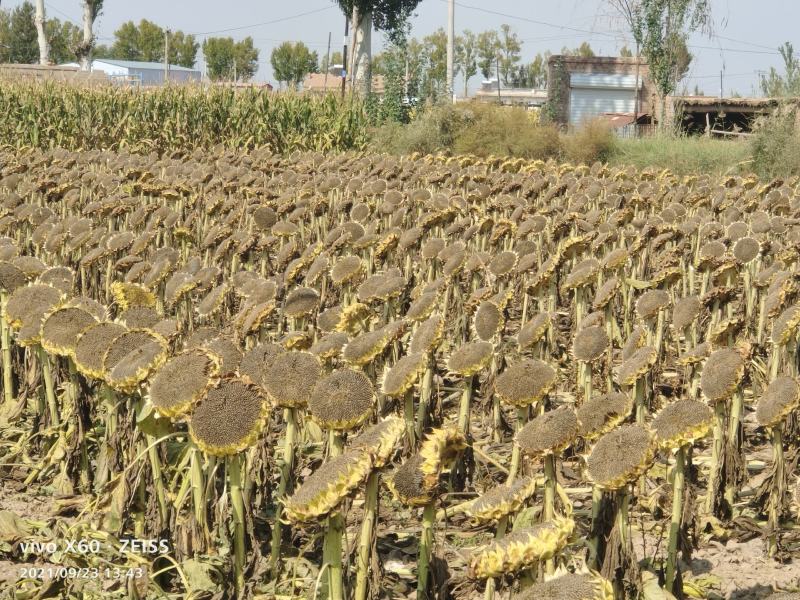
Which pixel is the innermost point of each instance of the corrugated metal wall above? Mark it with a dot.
(592, 95)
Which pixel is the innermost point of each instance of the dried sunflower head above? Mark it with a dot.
(290, 378)
(746, 249)
(127, 295)
(428, 335)
(572, 586)
(523, 548)
(502, 500)
(423, 306)
(342, 400)
(652, 301)
(139, 317)
(549, 433)
(182, 381)
(61, 328)
(330, 345)
(620, 457)
(723, 371)
(601, 414)
(91, 345)
(301, 302)
(637, 365)
(682, 422)
(347, 270)
(590, 344)
(470, 358)
(381, 439)
(256, 361)
(363, 348)
(30, 303)
(438, 450)
(488, 321)
(685, 312)
(409, 484)
(11, 277)
(605, 293)
(227, 350)
(403, 374)
(331, 483)
(781, 398)
(229, 417)
(525, 382)
(533, 330)
(785, 326)
(131, 357)
(503, 263)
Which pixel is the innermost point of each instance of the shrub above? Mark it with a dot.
(776, 145)
(595, 141)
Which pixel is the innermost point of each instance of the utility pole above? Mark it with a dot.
(344, 54)
(44, 45)
(327, 63)
(721, 94)
(166, 56)
(497, 74)
(451, 40)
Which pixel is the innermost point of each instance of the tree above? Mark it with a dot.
(435, 46)
(389, 16)
(226, 59)
(533, 75)
(775, 85)
(63, 37)
(291, 62)
(625, 52)
(584, 50)
(91, 10)
(488, 45)
(145, 42)
(509, 48)
(41, 35)
(336, 59)
(466, 57)
(20, 41)
(665, 26)
(183, 49)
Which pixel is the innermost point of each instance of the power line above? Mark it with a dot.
(273, 21)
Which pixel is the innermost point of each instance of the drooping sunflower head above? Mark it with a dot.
(403, 374)
(722, 373)
(227, 350)
(652, 301)
(620, 457)
(522, 549)
(590, 344)
(182, 381)
(502, 500)
(637, 365)
(61, 328)
(329, 345)
(601, 414)
(342, 400)
(526, 382)
(229, 417)
(381, 440)
(428, 335)
(572, 586)
(139, 317)
(423, 306)
(682, 422)
(549, 433)
(488, 320)
(781, 397)
(533, 330)
(131, 357)
(785, 325)
(91, 346)
(409, 484)
(438, 450)
(470, 358)
(29, 304)
(11, 277)
(256, 361)
(685, 312)
(290, 378)
(127, 295)
(300, 302)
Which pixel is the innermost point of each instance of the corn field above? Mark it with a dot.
(176, 119)
(249, 374)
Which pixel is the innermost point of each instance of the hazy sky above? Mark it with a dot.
(746, 32)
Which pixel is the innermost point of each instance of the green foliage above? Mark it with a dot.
(18, 35)
(625, 52)
(592, 142)
(176, 118)
(509, 48)
(435, 78)
(584, 50)
(145, 42)
(387, 15)
(336, 59)
(291, 62)
(488, 46)
(683, 155)
(466, 57)
(393, 65)
(532, 75)
(776, 144)
(776, 85)
(229, 60)
(63, 37)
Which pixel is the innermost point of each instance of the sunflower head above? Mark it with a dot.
(549, 433)
(682, 422)
(342, 400)
(525, 382)
(620, 457)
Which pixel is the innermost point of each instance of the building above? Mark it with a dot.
(726, 117)
(136, 73)
(581, 89)
(51, 73)
(331, 82)
(529, 98)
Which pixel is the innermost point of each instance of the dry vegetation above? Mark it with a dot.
(358, 376)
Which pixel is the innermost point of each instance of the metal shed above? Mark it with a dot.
(592, 95)
(134, 72)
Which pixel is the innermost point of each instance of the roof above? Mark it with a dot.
(136, 64)
(317, 82)
(732, 102)
(570, 59)
(616, 120)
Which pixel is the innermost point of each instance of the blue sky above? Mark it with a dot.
(745, 37)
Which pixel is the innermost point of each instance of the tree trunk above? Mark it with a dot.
(84, 51)
(44, 46)
(362, 52)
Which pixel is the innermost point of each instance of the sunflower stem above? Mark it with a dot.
(424, 397)
(47, 375)
(522, 419)
(408, 414)
(777, 490)
(593, 542)
(465, 406)
(549, 498)
(332, 544)
(5, 340)
(365, 541)
(425, 545)
(677, 517)
(237, 505)
(716, 455)
(287, 464)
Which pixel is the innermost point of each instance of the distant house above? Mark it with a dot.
(136, 73)
(322, 83)
(581, 89)
(527, 97)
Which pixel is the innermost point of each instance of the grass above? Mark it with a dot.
(683, 155)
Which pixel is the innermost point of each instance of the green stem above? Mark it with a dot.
(408, 414)
(198, 491)
(425, 545)
(522, 419)
(286, 466)
(5, 340)
(716, 455)
(332, 544)
(365, 541)
(734, 424)
(47, 375)
(549, 498)
(424, 397)
(677, 517)
(777, 490)
(593, 542)
(237, 505)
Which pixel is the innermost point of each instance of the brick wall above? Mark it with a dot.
(559, 68)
